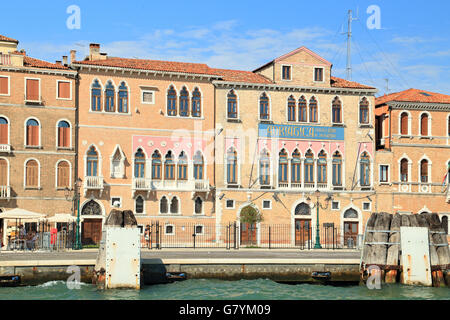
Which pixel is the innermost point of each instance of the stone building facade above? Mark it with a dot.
(37, 139)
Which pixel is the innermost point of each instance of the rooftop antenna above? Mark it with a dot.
(387, 85)
(349, 43)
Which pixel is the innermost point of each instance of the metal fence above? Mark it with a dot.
(159, 235)
(42, 237)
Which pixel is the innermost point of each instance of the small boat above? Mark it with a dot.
(10, 280)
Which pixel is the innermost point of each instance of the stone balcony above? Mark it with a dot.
(145, 184)
(5, 148)
(93, 183)
(5, 192)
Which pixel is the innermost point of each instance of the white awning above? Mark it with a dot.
(63, 217)
(23, 214)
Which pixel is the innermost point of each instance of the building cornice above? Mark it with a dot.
(54, 72)
(169, 74)
(278, 87)
(400, 105)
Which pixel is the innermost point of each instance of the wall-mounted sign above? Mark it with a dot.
(289, 131)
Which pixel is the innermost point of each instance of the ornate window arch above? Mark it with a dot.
(182, 166)
(232, 166)
(296, 164)
(123, 98)
(199, 166)
(264, 107)
(302, 110)
(91, 208)
(175, 205)
(313, 110)
(336, 109)
(96, 96)
(264, 168)
(110, 93)
(184, 102)
(169, 166)
(171, 101)
(309, 167)
(92, 162)
(198, 206)
(337, 169)
(139, 164)
(364, 170)
(302, 209)
(139, 204)
(291, 108)
(164, 205)
(283, 166)
(364, 111)
(196, 103)
(156, 165)
(117, 163)
(232, 105)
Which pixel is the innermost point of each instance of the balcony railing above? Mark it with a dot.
(5, 148)
(192, 185)
(93, 183)
(5, 192)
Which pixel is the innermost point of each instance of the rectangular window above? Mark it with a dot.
(384, 173)
(230, 204)
(147, 97)
(32, 90)
(367, 206)
(4, 86)
(318, 74)
(267, 204)
(64, 90)
(116, 200)
(286, 73)
(335, 205)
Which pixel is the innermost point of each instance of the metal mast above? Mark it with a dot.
(349, 44)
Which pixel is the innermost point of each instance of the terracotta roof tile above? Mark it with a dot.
(241, 76)
(36, 63)
(414, 95)
(342, 83)
(3, 38)
(157, 65)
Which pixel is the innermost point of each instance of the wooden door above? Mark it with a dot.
(91, 231)
(302, 231)
(248, 234)
(350, 231)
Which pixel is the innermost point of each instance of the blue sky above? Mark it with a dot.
(412, 48)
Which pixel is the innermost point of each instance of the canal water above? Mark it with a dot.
(261, 289)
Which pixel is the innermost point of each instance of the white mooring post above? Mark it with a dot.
(119, 258)
(415, 256)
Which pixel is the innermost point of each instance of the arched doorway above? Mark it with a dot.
(249, 217)
(303, 230)
(351, 226)
(91, 227)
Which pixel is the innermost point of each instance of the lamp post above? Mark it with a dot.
(318, 205)
(75, 199)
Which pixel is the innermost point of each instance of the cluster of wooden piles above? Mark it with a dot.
(382, 246)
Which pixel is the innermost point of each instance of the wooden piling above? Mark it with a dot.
(392, 258)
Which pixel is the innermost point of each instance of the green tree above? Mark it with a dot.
(250, 215)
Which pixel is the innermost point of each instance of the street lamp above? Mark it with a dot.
(75, 199)
(317, 205)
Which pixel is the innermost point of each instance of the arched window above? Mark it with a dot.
(351, 214)
(96, 94)
(139, 205)
(302, 116)
(184, 102)
(313, 110)
(296, 164)
(32, 133)
(139, 164)
(3, 173)
(336, 110)
(169, 167)
(309, 167)
(364, 164)
(445, 224)
(123, 98)
(322, 167)
(264, 107)
(231, 166)
(424, 125)
(232, 105)
(196, 103)
(92, 162)
(283, 167)
(32, 174)
(156, 165)
(198, 206)
(174, 205)
(404, 126)
(182, 166)
(337, 169)
(404, 170)
(110, 92)
(198, 166)
(63, 172)
(364, 111)
(264, 168)
(302, 209)
(4, 128)
(171, 102)
(164, 205)
(424, 171)
(291, 108)
(63, 134)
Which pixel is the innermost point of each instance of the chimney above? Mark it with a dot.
(94, 51)
(64, 60)
(58, 62)
(73, 55)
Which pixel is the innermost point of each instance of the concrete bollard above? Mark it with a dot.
(118, 262)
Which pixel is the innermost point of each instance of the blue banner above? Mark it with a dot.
(289, 131)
